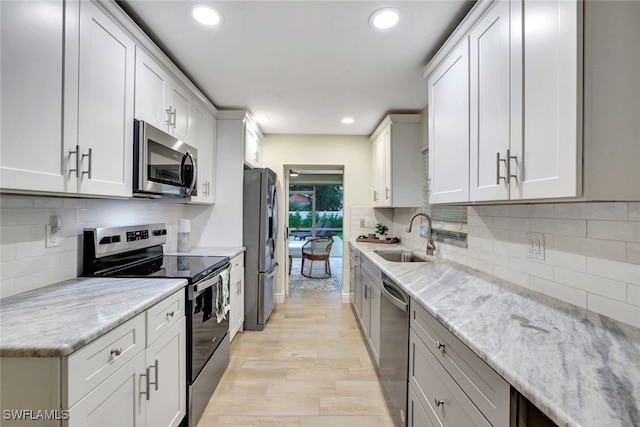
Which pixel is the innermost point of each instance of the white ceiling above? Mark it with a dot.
(305, 64)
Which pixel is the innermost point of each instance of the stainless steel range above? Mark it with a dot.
(136, 251)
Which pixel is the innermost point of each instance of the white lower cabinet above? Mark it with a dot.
(133, 375)
(449, 384)
(236, 289)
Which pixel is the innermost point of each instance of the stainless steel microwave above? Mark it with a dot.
(163, 166)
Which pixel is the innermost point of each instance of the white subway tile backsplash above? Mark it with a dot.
(634, 211)
(568, 294)
(592, 252)
(625, 231)
(531, 211)
(633, 253)
(562, 227)
(617, 310)
(593, 284)
(622, 271)
(633, 294)
(27, 264)
(592, 247)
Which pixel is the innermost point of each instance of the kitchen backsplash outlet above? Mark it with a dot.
(25, 262)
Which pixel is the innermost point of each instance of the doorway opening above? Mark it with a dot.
(315, 231)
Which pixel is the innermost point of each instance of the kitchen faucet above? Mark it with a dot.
(431, 245)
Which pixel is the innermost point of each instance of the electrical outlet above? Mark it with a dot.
(535, 246)
(362, 223)
(52, 236)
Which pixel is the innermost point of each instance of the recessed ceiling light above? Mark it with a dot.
(384, 19)
(347, 120)
(207, 15)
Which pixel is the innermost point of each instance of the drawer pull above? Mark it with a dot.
(155, 383)
(171, 314)
(115, 352)
(440, 345)
(438, 402)
(146, 375)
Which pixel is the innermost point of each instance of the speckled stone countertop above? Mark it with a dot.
(211, 251)
(578, 367)
(57, 320)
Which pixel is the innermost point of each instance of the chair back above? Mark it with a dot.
(318, 246)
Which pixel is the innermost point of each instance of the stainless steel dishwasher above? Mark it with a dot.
(394, 347)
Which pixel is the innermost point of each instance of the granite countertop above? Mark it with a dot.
(578, 367)
(57, 320)
(211, 251)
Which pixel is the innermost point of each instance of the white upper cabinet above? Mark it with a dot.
(160, 100)
(396, 161)
(105, 105)
(203, 137)
(553, 110)
(71, 56)
(490, 90)
(449, 128)
(32, 55)
(252, 144)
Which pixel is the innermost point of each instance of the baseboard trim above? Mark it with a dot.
(278, 298)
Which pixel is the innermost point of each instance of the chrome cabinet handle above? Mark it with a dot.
(77, 154)
(90, 156)
(173, 122)
(171, 313)
(508, 161)
(149, 382)
(440, 345)
(498, 160)
(168, 111)
(115, 352)
(375, 196)
(388, 193)
(146, 375)
(438, 402)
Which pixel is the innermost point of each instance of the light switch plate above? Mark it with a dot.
(535, 246)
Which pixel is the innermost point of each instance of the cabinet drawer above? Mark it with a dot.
(237, 262)
(416, 414)
(96, 361)
(164, 314)
(486, 388)
(443, 401)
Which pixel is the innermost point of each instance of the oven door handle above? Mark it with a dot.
(198, 288)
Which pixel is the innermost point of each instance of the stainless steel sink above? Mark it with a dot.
(400, 256)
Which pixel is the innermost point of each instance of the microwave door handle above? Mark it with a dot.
(195, 172)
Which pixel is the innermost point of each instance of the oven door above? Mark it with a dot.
(206, 332)
(163, 165)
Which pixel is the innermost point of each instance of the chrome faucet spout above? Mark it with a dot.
(431, 245)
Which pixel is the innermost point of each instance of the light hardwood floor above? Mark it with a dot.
(308, 368)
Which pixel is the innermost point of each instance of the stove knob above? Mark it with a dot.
(162, 232)
(105, 240)
(115, 239)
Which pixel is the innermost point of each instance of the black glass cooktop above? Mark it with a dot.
(191, 267)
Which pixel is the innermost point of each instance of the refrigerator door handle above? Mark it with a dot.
(272, 272)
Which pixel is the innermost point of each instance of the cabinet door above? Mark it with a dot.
(105, 104)
(449, 128)
(358, 291)
(167, 370)
(252, 148)
(152, 91)
(203, 138)
(116, 401)
(417, 416)
(374, 329)
(31, 91)
(181, 104)
(490, 109)
(236, 289)
(550, 157)
(381, 169)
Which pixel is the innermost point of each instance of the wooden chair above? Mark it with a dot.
(317, 249)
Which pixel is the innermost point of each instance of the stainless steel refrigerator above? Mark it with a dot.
(260, 229)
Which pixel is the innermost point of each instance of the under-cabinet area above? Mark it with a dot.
(482, 352)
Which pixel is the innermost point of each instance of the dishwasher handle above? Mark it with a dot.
(394, 295)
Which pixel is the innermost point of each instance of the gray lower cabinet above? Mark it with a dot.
(451, 383)
(370, 313)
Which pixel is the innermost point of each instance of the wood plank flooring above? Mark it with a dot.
(308, 368)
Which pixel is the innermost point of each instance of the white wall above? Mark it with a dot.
(592, 251)
(352, 152)
(26, 264)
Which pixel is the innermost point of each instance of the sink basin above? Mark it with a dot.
(401, 256)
